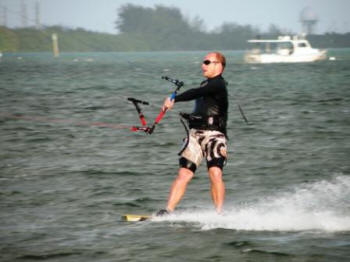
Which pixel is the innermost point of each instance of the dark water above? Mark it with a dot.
(65, 181)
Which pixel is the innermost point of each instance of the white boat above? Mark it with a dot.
(283, 50)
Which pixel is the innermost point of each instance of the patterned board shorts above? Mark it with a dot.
(208, 144)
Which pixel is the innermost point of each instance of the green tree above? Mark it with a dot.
(8, 40)
(162, 27)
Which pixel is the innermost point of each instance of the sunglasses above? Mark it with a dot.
(208, 62)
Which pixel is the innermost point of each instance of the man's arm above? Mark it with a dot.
(208, 89)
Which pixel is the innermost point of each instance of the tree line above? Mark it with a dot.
(151, 29)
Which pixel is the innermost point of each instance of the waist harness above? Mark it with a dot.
(205, 123)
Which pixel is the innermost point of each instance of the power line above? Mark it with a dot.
(22, 14)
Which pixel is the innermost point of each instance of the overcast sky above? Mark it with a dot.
(100, 15)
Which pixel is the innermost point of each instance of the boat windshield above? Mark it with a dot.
(282, 48)
(302, 44)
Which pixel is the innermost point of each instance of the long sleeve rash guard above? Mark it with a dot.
(211, 100)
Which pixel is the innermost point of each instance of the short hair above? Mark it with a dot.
(221, 58)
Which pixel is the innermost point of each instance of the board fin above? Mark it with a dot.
(134, 218)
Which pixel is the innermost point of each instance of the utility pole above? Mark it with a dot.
(37, 15)
(4, 16)
(24, 14)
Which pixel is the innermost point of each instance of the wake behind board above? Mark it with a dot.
(135, 218)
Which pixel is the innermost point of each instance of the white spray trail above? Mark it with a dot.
(323, 205)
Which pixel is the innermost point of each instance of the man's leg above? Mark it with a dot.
(217, 187)
(178, 187)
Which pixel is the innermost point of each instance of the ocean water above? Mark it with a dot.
(70, 167)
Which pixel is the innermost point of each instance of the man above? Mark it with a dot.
(207, 136)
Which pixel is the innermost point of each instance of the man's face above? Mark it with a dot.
(211, 67)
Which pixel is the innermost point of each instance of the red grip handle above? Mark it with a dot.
(159, 117)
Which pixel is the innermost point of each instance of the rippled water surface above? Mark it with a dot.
(70, 167)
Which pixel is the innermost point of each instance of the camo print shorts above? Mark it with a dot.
(207, 144)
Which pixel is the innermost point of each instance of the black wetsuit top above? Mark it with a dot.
(211, 101)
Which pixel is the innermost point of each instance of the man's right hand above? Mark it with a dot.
(168, 104)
